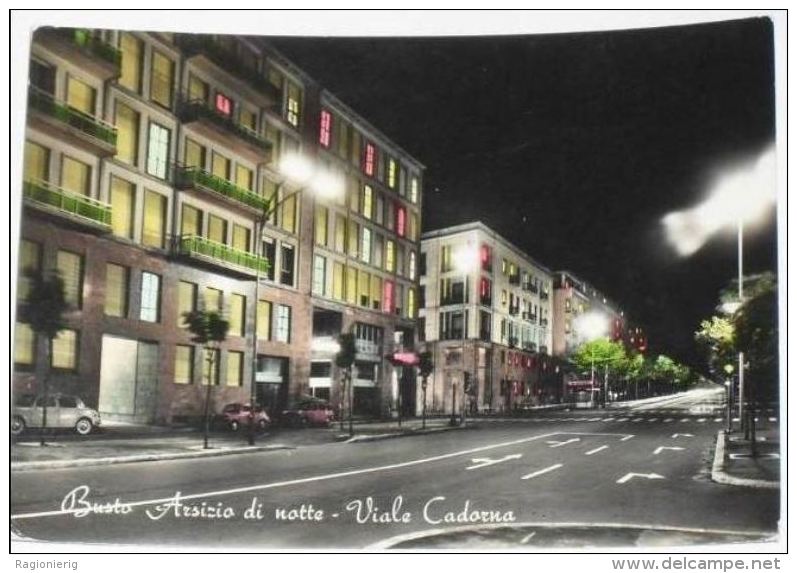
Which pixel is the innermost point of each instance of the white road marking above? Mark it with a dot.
(594, 420)
(637, 419)
(718, 419)
(668, 420)
(773, 419)
(684, 420)
(311, 479)
(596, 450)
(632, 475)
(529, 536)
(661, 448)
(701, 420)
(555, 444)
(771, 456)
(652, 419)
(684, 435)
(628, 437)
(607, 420)
(543, 471)
(484, 462)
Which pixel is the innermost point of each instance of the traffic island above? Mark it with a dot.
(735, 465)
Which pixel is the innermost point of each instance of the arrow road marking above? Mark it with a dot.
(529, 536)
(630, 476)
(540, 472)
(684, 435)
(661, 448)
(555, 444)
(596, 450)
(484, 462)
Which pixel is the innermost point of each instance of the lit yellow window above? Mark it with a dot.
(132, 59)
(240, 237)
(363, 289)
(37, 162)
(264, 320)
(376, 291)
(411, 302)
(354, 238)
(210, 366)
(154, 232)
(183, 364)
(123, 196)
(221, 166)
(24, 344)
(294, 104)
(191, 221)
(368, 200)
(288, 218)
(337, 281)
(213, 300)
(351, 285)
(186, 301)
(391, 173)
(80, 96)
(321, 220)
(75, 176)
(248, 119)
(29, 261)
(64, 350)
(390, 256)
(340, 233)
(127, 121)
(217, 229)
(194, 154)
(237, 314)
(70, 266)
(116, 290)
(235, 368)
(162, 80)
(244, 177)
(414, 189)
(197, 89)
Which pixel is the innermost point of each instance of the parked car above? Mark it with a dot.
(234, 416)
(309, 411)
(63, 411)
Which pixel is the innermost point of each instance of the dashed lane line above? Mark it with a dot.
(596, 450)
(542, 471)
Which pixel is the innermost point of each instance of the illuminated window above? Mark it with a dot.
(186, 301)
(486, 256)
(183, 364)
(411, 303)
(64, 350)
(391, 173)
(162, 80)
(235, 368)
(248, 119)
(191, 221)
(376, 292)
(158, 151)
(127, 122)
(150, 297)
(221, 166)
(344, 129)
(237, 314)
(153, 233)
(288, 214)
(37, 162)
(368, 164)
(401, 221)
(240, 237)
(387, 297)
(413, 266)
(414, 189)
(132, 62)
(319, 275)
(365, 245)
(364, 289)
(321, 224)
(294, 104)
(75, 176)
(29, 262)
(368, 199)
(244, 177)
(80, 96)
(264, 320)
(213, 300)
(337, 281)
(283, 331)
(390, 255)
(70, 265)
(24, 344)
(197, 90)
(117, 280)
(217, 229)
(223, 105)
(123, 199)
(325, 129)
(351, 285)
(340, 233)
(354, 237)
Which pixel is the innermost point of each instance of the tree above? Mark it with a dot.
(209, 329)
(345, 360)
(599, 352)
(426, 367)
(756, 326)
(717, 336)
(44, 311)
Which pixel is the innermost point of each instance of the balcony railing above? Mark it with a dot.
(193, 245)
(228, 60)
(93, 45)
(70, 203)
(48, 105)
(194, 110)
(185, 177)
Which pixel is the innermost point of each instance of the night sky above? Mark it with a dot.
(573, 146)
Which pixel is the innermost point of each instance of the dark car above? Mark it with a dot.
(309, 412)
(237, 415)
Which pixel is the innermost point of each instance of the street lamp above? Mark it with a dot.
(742, 194)
(303, 174)
(465, 259)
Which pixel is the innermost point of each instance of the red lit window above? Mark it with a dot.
(387, 297)
(326, 128)
(486, 257)
(223, 104)
(401, 221)
(370, 159)
(485, 289)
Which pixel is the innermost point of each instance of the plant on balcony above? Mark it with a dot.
(75, 204)
(194, 176)
(48, 105)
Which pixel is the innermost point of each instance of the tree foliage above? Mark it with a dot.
(756, 325)
(346, 354)
(46, 304)
(206, 326)
(600, 352)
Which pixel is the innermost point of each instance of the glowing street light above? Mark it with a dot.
(465, 259)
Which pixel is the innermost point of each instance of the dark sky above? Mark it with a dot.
(573, 146)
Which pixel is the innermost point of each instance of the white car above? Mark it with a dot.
(63, 411)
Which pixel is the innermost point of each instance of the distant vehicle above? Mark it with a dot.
(309, 411)
(63, 411)
(236, 415)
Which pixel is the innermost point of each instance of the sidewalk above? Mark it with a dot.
(129, 443)
(734, 464)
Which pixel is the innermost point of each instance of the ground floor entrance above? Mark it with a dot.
(128, 379)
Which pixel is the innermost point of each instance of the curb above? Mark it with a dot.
(719, 475)
(88, 462)
(378, 437)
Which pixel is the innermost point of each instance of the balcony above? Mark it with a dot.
(202, 116)
(221, 255)
(84, 48)
(52, 115)
(530, 317)
(78, 209)
(201, 180)
(514, 280)
(514, 310)
(544, 295)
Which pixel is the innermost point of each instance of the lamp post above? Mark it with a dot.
(465, 260)
(301, 172)
(591, 326)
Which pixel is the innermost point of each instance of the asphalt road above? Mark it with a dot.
(623, 476)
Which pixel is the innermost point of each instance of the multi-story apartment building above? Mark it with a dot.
(150, 159)
(486, 310)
